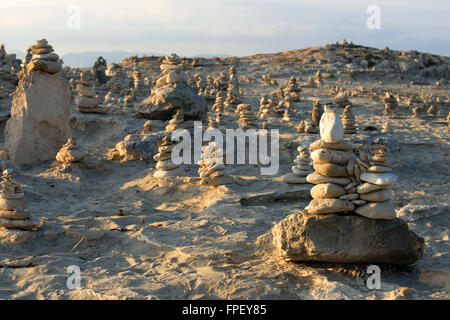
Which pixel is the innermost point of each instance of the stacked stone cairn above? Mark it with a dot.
(70, 153)
(164, 164)
(15, 222)
(43, 58)
(334, 190)
(348, 121)
(219, 104)
(233, 85)
(247, 118)
(138, 80)
(266, 109)
(231, 100)
(301, 169)
(87, 100)
(212, 170)
(178, 122)
(390, 104)
(377, 179)
(172, 69)
(293, 89)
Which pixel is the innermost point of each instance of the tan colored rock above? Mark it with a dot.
(330, 170)
(40, 117)
(321, 206)
(327, 190)
(317, 178)
(320, 144)
(331, 156)
(377, 196)
(377, 210)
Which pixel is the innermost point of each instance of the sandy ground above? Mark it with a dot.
(137, 237)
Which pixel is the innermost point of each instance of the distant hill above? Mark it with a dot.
(87, 59)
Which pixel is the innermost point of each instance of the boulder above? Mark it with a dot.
(164, 102)
(40, 117)
(344, 239)
(139, 147)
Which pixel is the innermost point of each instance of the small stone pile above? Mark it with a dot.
(301, 169)
(334, 190)
(390, 104)
(70, 153)
(172, 69)
(266, 109)
(268, 81)
(212, 168)
(247, 118)
(87, 100)
(377, 182)
(178, 122)
(15, 222)
(318, 80)
(219, 118)
(341, 100)
(231, 100)
(164, 165)
(348, 121)
(43, 58)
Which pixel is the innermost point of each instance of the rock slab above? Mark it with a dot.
(164, 102)
(335, 238)
(40, 118)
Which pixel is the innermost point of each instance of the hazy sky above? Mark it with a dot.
(235, 27)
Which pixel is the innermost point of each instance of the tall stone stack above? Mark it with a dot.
(40, 114)
(138, 81)
(231, 100)
(164, 164)
(219, 104)
(301, 168)
(266, 109)
(334, 189)
(376, 185)
(212, 169)
(348, 121)
(247, 118)
(87, 100)
(15, 222)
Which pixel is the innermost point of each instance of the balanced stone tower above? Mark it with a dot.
(212, 168)
(348, 121)
(164, 165)
(87, 100)
(15, 222)
(329, 229)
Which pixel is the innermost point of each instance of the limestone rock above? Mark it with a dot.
(327, 190)
(331, 128)
(40, 116)
(321, 206)
(377, 210)
(345, 239)
(317, 178)
(164, 102)
(331, 156)
(383, 179)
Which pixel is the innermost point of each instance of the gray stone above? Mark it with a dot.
(344, 239)
(164, 102)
